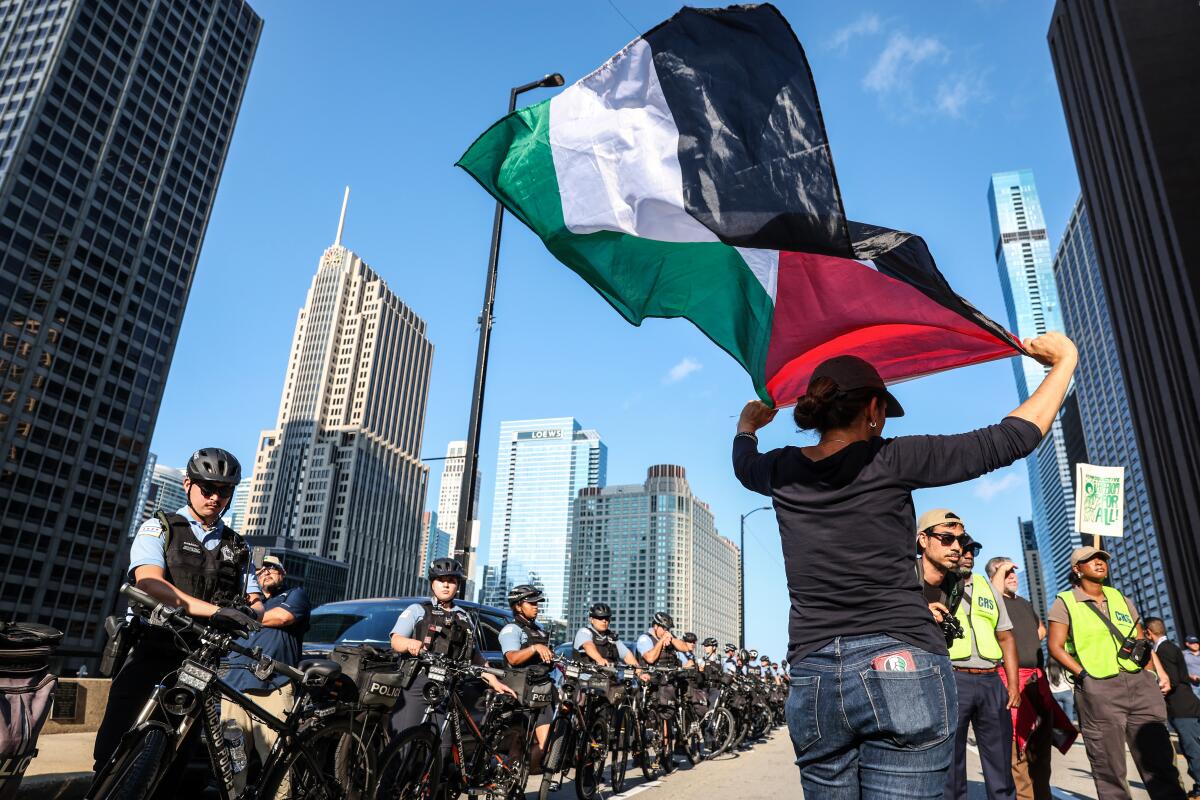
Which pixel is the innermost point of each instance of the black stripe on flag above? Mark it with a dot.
(906, 258)
(756, 165)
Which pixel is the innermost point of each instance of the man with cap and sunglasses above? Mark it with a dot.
(1191, 657)
(986, 643)
(1096, 634)
(284, 623)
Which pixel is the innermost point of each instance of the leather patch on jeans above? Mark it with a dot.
(899, 661)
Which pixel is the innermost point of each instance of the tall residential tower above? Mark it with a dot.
(115, 120)
(651, 547)
(541, 466)
(340, 475)
(1031, 298)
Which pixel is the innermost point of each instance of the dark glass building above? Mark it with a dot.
(1128, 75)
(115, 119)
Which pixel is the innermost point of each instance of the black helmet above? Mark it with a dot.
(663, 619)
(446, 568)
(690, 637)
(710, 642)
(214, 465)
(600, 611)
(743, 655)
(729, 647)
(765, 659)
(525, 593)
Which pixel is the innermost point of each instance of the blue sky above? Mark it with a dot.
(922, 105)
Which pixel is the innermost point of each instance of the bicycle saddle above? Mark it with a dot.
(319, 670)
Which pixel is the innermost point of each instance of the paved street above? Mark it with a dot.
(767, 773)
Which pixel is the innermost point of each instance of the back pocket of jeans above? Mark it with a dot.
(910, 707)
(801, 712)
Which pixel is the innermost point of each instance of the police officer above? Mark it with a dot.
(659, 646)
(712, 666)
(436, 626)
(730, 663)
(753, 668)
(596, 643)
(527, 646)
(1118, 702)
(190, 560)
(987, 642)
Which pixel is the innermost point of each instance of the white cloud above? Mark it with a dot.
(681, 370)
(956, 91)
(863, 26)
(987, 488)
(893, 70)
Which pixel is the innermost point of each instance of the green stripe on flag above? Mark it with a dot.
(706, 282)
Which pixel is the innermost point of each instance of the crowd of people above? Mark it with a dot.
(940, 647)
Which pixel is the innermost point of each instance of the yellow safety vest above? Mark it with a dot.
(1091, 642)
(981, 620)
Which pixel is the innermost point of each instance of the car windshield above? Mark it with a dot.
(363, 622)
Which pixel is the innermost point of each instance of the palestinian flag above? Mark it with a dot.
(690, 176)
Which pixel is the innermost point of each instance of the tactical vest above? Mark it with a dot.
(981, 620)
(215, 576)
(754, 671)
(445, 632)
(1091, 642)
(666, 655)
(534, 635)
(606, 645)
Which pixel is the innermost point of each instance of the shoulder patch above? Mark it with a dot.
(150, 527)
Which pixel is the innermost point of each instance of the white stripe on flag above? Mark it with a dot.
(616, 153)
(765, 266)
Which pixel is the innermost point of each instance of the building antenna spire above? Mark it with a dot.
(342, 219)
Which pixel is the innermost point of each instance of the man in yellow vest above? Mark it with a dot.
(1119, 702)
(987, 641)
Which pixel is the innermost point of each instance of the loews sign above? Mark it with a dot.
(554, 433)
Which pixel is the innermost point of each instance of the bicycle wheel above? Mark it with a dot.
(623, 742)
(330, 758)
(720, 730)
(693, 742)
(591, 754)
(649, 736)
(558, 745)
(410, 766)
(671, 738)
(132, 776)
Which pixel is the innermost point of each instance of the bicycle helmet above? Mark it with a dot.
(525, 593)
(743, 655)
(690, 637)
(214, 465)
(446, 568)
(754, 654)
(710, 642)
(663, 619)
(730, 648)
(600, 611)
(765, 660)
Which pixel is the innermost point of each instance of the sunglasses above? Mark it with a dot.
(948, 539)
(208, 490)
(270, 567)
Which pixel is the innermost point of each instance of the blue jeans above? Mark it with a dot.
(1188, 729)
(873, 734)
(1066, 701)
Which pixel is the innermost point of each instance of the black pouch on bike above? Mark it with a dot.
(359, 662)
(532, 691)
(121, 636)
(26, 647)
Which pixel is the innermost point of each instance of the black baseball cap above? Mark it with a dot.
(851, 372)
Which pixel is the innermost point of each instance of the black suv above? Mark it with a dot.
(370, 622)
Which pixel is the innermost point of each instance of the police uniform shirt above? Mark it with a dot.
(1003, 623)
(513, 638)
(149, 546)
(729, 665)
(646, 643)
(585, 635)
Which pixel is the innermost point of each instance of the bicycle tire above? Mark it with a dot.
(557, 746)
(591, 753)
(132, 778)
(410, 767)
(667, 751)
(622, 744)
(649, 745)
(325, 751)
(724, 731)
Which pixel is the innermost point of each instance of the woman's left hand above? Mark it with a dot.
(755, 415)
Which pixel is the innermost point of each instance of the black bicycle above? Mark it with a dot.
(318, 754)
(581, 731)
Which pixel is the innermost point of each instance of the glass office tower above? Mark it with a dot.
(115, 120)
(1031, 298)
(541, 466)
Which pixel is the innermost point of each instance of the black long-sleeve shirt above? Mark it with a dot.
(848, 526)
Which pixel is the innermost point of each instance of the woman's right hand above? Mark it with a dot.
(1051, 348)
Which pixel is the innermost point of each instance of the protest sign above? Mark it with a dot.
(1100, 500)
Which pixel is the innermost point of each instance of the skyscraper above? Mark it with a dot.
(115, 120)
(1124, 72)
(435, 543)
(449, 489)
(1031, 579)
(1031, 299)
(652, 547)
(541, 466)
(1106, 422)
(235, 516)
(143, 494)
(340, 475)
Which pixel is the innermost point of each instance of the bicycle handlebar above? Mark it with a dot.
(150, 604)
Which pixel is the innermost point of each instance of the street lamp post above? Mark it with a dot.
(742, 578)
(467, 490)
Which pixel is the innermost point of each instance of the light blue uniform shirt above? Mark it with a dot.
(730, 666)
(149, 546)
(585, 635)
(406, 623)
